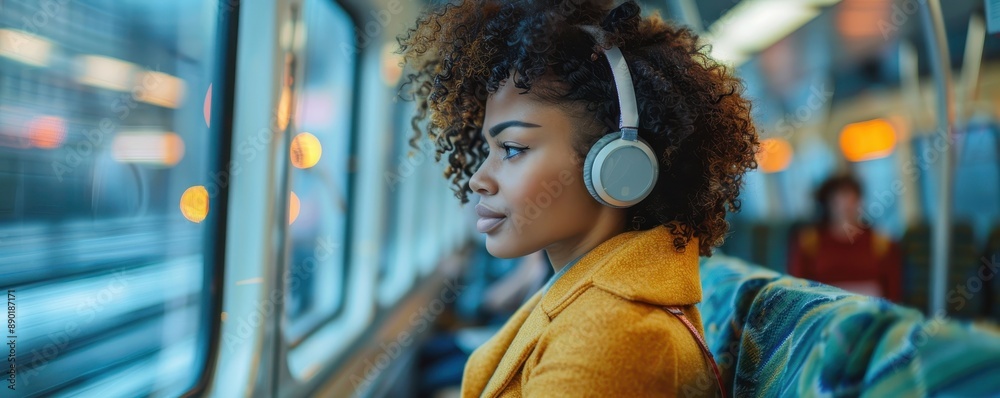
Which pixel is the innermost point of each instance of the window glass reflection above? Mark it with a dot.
(319, 156)
(104, 169)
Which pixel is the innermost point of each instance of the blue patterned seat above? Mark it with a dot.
(935, 358)
(776, 335)
(729, 286)
(806, 338)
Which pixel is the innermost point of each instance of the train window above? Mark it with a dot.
(319, 155)
(322, 336)
(429, 216)
(105, 151)
(396, 273)
(449, 213)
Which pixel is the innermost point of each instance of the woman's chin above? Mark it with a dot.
(500, 248)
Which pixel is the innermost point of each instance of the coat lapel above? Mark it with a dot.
(639, 266)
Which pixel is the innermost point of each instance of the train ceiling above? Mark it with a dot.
(853, 42)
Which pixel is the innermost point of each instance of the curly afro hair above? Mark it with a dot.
(691, 109)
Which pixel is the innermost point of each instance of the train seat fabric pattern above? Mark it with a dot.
(935, 358)
(728, 291)
(776, 335)
(802, 336)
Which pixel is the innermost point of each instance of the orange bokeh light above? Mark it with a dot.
(868, 140)
(293, 208)
(775, 155)
(194, 204)
(47, 132)
(305, 151)
(173, 149)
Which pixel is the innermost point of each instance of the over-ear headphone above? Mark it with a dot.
(621, 168)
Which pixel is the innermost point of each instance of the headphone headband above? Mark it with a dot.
(621, 169)
(629, 120)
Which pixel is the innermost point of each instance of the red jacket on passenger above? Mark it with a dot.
(867, 263)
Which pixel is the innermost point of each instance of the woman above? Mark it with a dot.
(843, 252)
(516, 95)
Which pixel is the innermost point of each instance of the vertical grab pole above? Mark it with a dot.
(937, 46)
(916, 109)
(974, 43)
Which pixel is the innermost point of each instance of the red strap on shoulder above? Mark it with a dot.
(676, 311)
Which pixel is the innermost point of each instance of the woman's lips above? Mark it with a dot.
(485, 225)
(489, 219)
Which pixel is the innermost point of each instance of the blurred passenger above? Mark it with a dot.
(842, 251)
(522, 100)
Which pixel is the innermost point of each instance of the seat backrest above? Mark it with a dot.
(963, 262)
(729, 286)
(740, 242)
(775, 335)
(935, 357)
(770, 245)
(991, 260)
(805, 338)
(916, 250)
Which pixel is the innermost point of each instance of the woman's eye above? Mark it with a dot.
(512, 151)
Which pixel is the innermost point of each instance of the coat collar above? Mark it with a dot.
(639, 266)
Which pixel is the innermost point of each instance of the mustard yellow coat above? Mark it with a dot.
(600, 330)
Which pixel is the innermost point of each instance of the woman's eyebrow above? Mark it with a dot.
(499, 127)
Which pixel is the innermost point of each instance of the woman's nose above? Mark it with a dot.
(482, 182)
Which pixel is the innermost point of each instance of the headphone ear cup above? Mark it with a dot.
(588, 165)
(620, 173)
